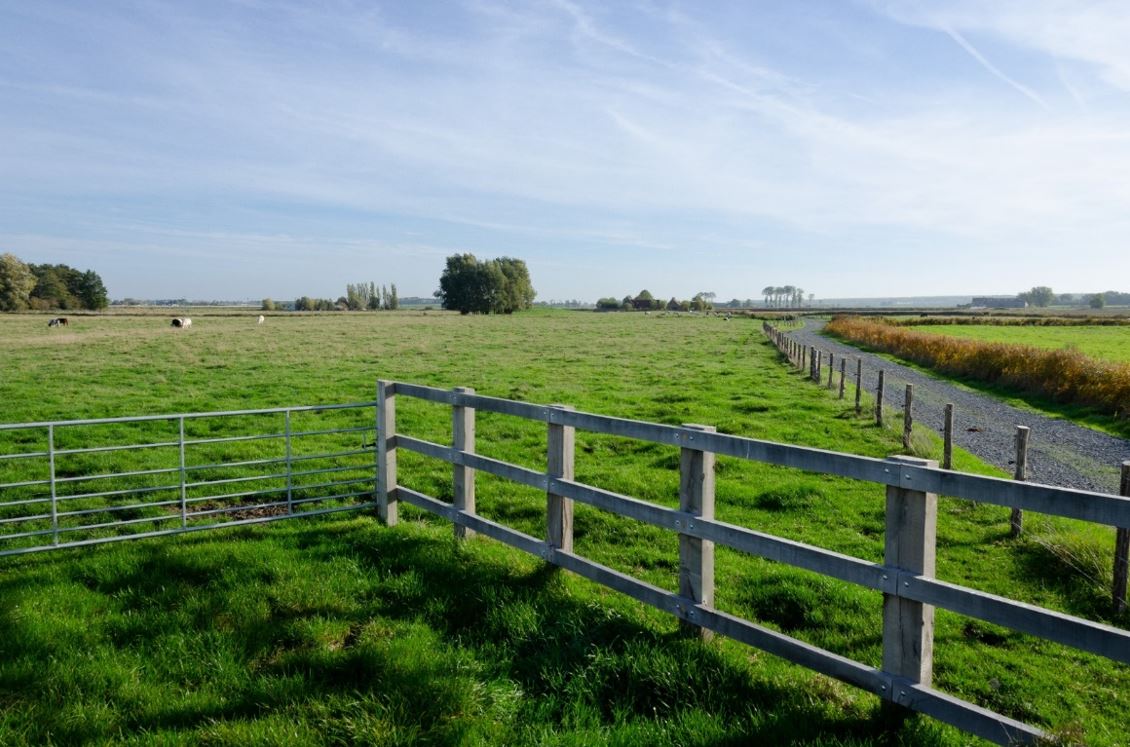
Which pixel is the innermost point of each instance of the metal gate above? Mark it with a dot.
(81, 482)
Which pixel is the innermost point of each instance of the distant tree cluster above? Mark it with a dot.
(358, 297)
(43, 287)
(493, 286)
(645, 301)
(784, 296)
(1041, 296)
(1094, 300)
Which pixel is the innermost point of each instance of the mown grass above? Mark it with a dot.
(336, 630)
(1104, 342)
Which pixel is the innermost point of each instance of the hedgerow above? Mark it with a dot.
(1066, 376)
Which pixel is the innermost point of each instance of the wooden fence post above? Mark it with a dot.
(1122, 549)
(831, 368)
(814, 364)
(843, 370)
(907, 417)
(858, 384)
(910, 546)
(560, 452)
(879, 400)
(1016, 520)
(463, 478)
(696, 556)
(947, 437)
(386, 452)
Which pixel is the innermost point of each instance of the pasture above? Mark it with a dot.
(1111, 343)
(336, 630)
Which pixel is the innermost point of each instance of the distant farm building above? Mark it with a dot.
(990, 302)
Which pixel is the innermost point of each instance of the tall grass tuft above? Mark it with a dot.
(1066, 376)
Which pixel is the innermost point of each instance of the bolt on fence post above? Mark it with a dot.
(696, 556)
(386, 452)
(1122, 549)
(858, 384)
(462, 477)
(910, 546)
(879, 400)
(907, 418)
(947, 437)
(843, 369)
(1016, 520)
(560, 457)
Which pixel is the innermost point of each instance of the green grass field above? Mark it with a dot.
(339, 631)
(1106, 343)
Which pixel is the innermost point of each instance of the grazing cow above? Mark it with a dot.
(182, 321)
(59, 321)
(262, 319)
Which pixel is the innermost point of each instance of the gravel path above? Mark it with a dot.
(1059, 452)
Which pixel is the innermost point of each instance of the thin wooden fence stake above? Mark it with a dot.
(910, 545)
(831, 368)
(560, 457)
(1016, 520)
(814, 369)
(696, 556)
(843, 369)
(879, 400)
(1122, 549)
(907, 417)
(947, 437)
(463, 477)
(858, 384)
(386, 453)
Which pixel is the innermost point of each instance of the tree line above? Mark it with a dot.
(784, 296)
(645, 301)
(46, 287)
(1043, 296)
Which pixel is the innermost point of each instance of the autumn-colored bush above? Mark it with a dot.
(1065, 376)
(1012, 321)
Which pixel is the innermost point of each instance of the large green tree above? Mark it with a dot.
(16, 283)
(471, 286)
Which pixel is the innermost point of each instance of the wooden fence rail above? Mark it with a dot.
(905, 578)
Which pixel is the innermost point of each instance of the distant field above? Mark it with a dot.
(1107, 343)
(339, 631)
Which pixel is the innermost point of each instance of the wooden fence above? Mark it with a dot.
(905, 578)
(812, 358)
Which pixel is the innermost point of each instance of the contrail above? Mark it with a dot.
(993, 68)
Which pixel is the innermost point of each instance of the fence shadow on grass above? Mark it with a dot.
(400, 629)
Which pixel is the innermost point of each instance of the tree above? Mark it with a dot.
(1096, 300)
(1041, 296)
(393, 299)
(267, 305)
(499, 285)
(91, 291)
(16, 283)
(607, 304)
(767, 291)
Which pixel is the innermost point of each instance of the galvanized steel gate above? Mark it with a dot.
(81, 482)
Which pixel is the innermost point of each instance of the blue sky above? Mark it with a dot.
(251, 148)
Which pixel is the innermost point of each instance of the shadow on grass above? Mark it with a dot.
(434, 641)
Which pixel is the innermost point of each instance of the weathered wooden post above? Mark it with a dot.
(1122, 549)
(696, 556)
(843, 370)
(463, 439)
(907, 417)
(879, 400)
(831, 368)
(386, 452)
(858, 384)
(560, 455)
(908, 626)
(947, 437)
(1016, 520)
(814, 368)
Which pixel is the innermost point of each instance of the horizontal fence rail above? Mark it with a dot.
(70, 483)
(905, 578)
